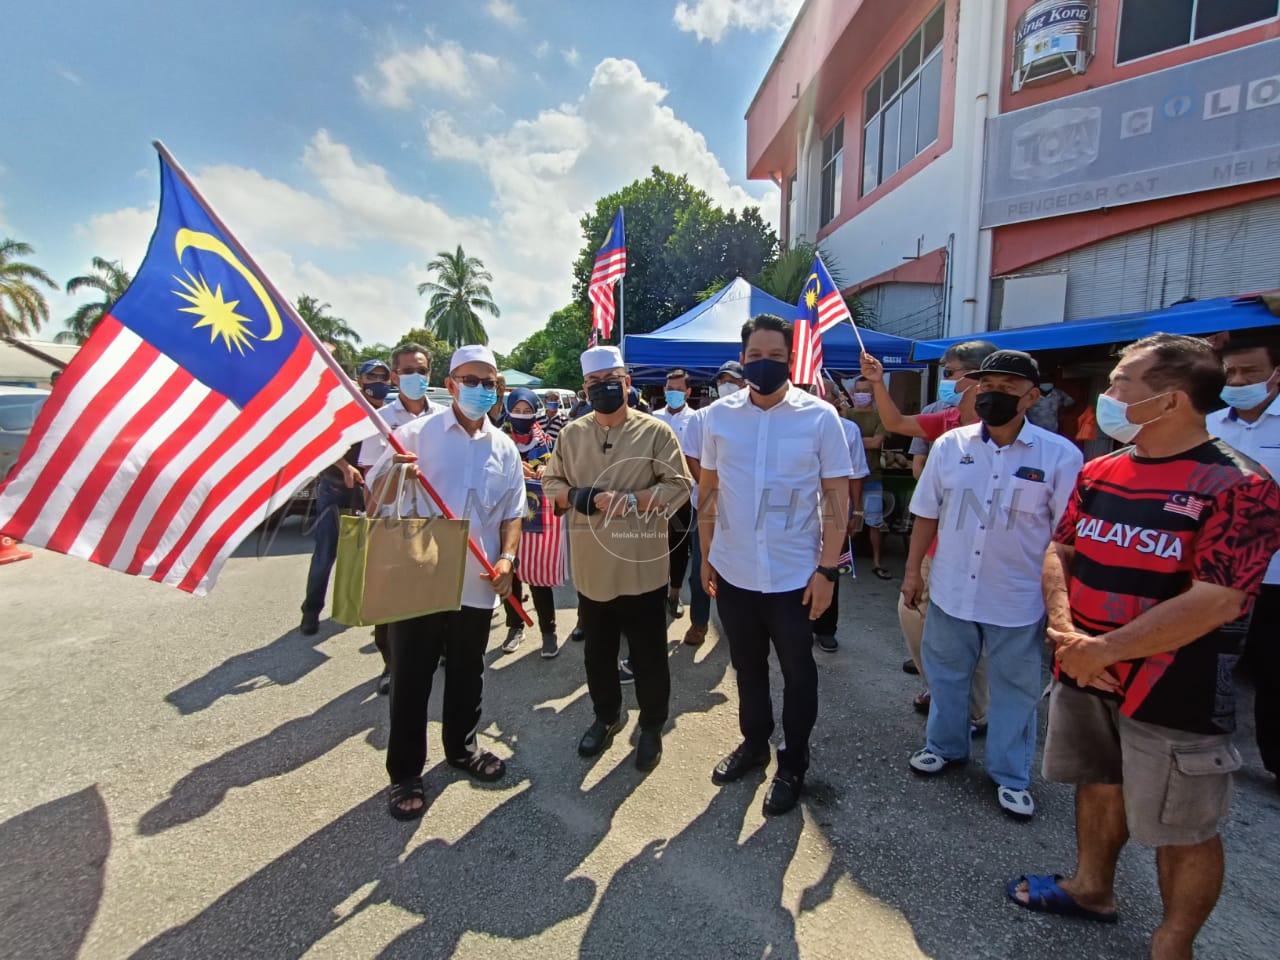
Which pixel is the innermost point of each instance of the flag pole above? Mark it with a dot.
(291, 312)
(622, 299)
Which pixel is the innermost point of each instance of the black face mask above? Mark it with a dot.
(377, 390)
(996, 409)
(521, 425)
(607, 397)
(765, 376)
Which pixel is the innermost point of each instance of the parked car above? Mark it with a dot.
(18, 409)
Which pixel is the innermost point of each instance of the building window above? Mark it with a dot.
(791, 211)
(832, 164)
(900, 110)
(1153, 26)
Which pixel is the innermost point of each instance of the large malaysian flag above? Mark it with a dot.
(610, 267)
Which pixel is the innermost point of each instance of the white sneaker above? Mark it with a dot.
(515, 636)
(1018, 803)
(927, 762)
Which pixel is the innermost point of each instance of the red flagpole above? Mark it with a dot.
(383, 427)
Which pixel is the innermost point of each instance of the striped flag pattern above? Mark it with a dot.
(542, 553)
(166, 443)
(609, 268)
(821, 307)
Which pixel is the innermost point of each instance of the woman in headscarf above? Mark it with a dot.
(541, 556)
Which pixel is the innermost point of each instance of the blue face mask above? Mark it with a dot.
(1247, 397)
(947, 393)
(1113, 417)
(675, 399)
(413, 385)
(475, 402)
(377, 390)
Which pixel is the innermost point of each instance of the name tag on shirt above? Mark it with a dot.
(1030, 473)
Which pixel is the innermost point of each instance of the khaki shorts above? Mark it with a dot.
(1177, 785)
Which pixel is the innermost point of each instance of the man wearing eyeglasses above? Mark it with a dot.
(476, 470)
(410, 372)
(622, 475)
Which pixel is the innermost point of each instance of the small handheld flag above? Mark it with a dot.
(821, 307)
(610, 267)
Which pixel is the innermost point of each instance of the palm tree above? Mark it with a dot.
(22, 306)
(108, 278)
(460, 289)
(329, 328)
(786, 276)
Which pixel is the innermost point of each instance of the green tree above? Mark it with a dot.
(461, 288)
(22, 306)
(678, 243)
(439, 352)
(108, 279)
(329, 328)
(553, 352)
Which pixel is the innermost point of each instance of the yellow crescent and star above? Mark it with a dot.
(811, 288)
(217, 314)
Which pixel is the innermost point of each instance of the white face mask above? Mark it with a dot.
(862, 399)
(727, 389)
(1113, 417)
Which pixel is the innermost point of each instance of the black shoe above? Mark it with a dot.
(625, 674)
(649, 749)
(577, 634)
(909, 666)
(675, 609)
(737, 764)
(784, 793)
(384, 683)
(598, 737)
(977, 728)
(310, 625)
(827, 644)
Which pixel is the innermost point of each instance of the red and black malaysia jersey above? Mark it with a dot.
(1142, 530)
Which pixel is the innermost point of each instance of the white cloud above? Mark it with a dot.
(712, 19)
(542, 49)
(571, 56)
(67, 74)
(443, 67)
(544, 172)
(505, 12)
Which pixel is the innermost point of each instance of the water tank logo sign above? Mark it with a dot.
(1057, 143)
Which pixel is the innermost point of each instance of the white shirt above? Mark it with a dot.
(1259, 441)
(857, 452)
(691, 444)
(680, 421)
(478, 477)
(996, 509)
(396, 415)
(771, 464)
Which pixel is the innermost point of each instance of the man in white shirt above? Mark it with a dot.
(475, 468)
(774, 507)
(410, 371)
(824, 628)
(991, 493)
(677, 415)
(728, 382)
(1251, 424)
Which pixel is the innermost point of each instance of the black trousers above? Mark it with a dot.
(380, 641)
(752, 620)
(644, 619)
(825, 625)
(416, 646)
(1263, 651)
(678, 530)
(544, 603)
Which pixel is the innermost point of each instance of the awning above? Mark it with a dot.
(518, 378)
(1197, 317)
(709, 334)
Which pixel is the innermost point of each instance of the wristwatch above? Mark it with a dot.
(831, 573)
(509, 557)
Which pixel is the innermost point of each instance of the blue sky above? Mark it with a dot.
(344, 144)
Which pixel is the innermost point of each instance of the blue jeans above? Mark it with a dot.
(1014, 662)
(330, 500)
(699, 602)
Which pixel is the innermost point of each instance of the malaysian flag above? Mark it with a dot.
(1186, 505)
(196, 408)
(610, 267)
(821, 307)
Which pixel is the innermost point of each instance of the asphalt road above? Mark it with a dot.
(192, 778)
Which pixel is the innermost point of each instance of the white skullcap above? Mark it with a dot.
(475, 353)
(601, 358)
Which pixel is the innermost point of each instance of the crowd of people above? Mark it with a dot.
(1142, 576)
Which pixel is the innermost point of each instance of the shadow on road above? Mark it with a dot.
(52, 860)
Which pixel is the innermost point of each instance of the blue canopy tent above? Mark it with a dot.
(703, 338)
(1196, 317)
